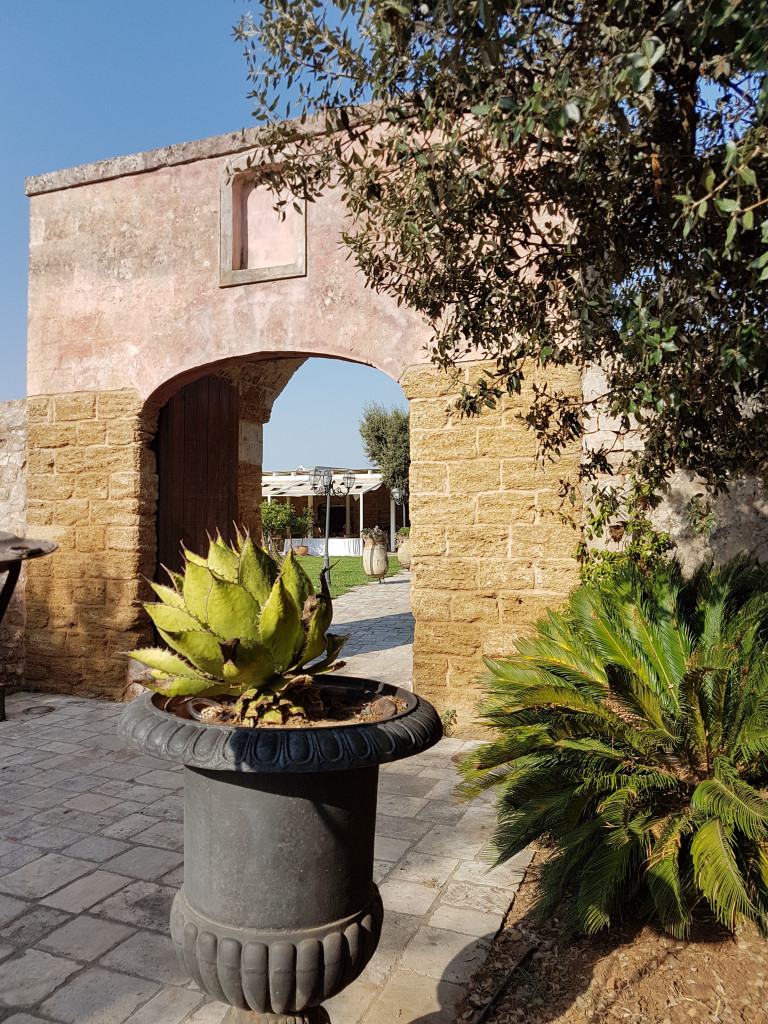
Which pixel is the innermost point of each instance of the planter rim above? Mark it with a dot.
(216, 747)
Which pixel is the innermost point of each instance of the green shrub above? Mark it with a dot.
(633, 735)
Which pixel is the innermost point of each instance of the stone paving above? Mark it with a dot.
(91, 856)
(379, 618)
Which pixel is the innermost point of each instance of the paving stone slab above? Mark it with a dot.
(145, 862)
(33, 925)
(86, 891)
(11, 908)
(390, 849)
(98, 996)
(85, 938)
(44, 875)
(142, 904)
(408, 996)
(148, 955)
(444, 954)
(30, 977)
(96, 848)
(408, 897)
(170, 1006)
(425, 868)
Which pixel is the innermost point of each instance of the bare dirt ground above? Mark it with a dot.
(634, 975)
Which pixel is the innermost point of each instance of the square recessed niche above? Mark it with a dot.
(256, 243)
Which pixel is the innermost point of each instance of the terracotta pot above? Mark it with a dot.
(404, 553)
(375, 560)
(279, 910)
(301, 550)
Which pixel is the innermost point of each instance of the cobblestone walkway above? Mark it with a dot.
(91, 856)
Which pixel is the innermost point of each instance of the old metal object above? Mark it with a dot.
(13, 551)
(279, 910)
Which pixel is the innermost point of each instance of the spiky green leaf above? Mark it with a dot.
(280, 625)
(257, 571)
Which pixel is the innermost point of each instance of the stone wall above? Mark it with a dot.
(13, 500)
(490, 549)
(92, 488)
(741, 516)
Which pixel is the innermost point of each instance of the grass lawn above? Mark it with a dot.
(346, 571)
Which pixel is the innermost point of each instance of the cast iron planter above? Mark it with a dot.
(278, 910)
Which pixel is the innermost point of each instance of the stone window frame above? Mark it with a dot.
(231, 186)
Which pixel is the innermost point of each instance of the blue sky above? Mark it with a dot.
(84, 80)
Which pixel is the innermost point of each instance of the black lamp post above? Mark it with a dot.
(400, 496)
(321, 482)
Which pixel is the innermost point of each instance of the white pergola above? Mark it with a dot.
(295, 484)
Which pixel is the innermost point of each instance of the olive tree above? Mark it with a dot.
(385, 434)
(549, 184)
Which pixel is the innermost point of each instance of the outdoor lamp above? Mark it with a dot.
(398, 495)
(349, 480)
(314, 477)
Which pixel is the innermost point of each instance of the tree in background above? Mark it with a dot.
(550, 184)
(385, 434)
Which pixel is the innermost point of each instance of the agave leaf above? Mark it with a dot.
(317, 617)
(251, 666)
(197, 585)
(280, 625)
(257, 572)
(333, 644)
(222, 560)
(273, 716)
(201, 649)
(189, 686)
(168, 595)
(231, 611)
(194, 559)
(172, 620)
(163, 661)
(296, 581)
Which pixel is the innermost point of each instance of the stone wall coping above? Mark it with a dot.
(140, 163)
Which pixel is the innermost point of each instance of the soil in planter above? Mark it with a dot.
(331, 705)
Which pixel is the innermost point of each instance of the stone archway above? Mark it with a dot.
(140, 283)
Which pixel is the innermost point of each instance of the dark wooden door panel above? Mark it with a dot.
(197, 461)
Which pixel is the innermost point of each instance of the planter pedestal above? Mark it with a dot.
(278, 911)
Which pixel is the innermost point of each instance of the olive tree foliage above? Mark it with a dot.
(385, 434)
(549, 184)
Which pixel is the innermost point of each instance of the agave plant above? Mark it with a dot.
(632, 733)
(241, 626)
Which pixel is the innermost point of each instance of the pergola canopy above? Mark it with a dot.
(295, 483)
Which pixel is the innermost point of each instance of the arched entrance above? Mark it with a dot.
(139, 287)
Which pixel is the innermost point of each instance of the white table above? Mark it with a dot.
(336, 546)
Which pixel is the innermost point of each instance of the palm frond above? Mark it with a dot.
(718, 875)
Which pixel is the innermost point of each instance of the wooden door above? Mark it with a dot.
(197, 460)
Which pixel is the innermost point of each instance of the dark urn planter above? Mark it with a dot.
(278, 911)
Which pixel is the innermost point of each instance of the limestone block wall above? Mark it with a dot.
(490, 549)
(13, 519)
(92, 488)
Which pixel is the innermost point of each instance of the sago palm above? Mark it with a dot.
(632, 733)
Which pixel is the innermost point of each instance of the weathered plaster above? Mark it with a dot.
(125, 292)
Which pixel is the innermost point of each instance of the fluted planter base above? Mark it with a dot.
(279, 911)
